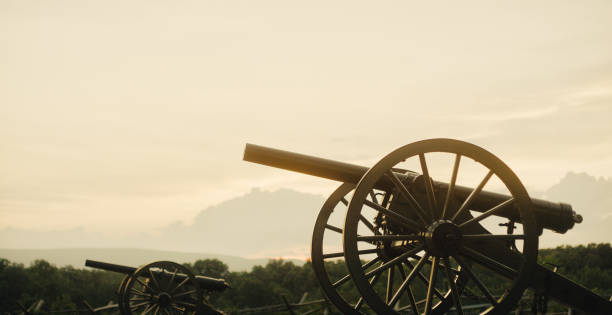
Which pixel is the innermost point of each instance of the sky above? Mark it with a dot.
(120, 116)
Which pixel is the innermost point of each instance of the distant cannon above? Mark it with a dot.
(476, 232)
(162, 287)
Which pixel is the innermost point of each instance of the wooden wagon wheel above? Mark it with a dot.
(161, 287)
(426, 231)
(120, 293)
(327, 247)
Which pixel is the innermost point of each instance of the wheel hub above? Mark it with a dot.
(164, 299)
(443, 238)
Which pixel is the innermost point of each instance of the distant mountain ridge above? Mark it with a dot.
(264, 224)
(589, 196)
(124, 256)
(258, 225)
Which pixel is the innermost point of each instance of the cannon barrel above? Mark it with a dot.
(206, 283)
(558, 217)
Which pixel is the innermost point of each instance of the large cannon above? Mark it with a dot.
(161, 287)
(440, 244)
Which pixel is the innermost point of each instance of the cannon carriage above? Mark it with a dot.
(435, 244)
(162, 287)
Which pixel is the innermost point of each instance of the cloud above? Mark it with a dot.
(510, 115)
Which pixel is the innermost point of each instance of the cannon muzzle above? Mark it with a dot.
(558, 217)
(206, 283)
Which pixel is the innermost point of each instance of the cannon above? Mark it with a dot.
(162, 287)
(439, 243)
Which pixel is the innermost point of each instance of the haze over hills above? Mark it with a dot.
(592, 198)
(264, 224)
(258, 226)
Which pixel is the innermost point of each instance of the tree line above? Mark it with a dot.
(64, 288)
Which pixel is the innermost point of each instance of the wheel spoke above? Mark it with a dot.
(184, 293)
(341, 254)
(359, 303)
(171, 279)
(135, 306)
(479, 283)
(348, 276)
(344, 201)
(154, 279)
(455, 271)
(408, 196)
(431, 287)
(389, 291)
(156, 309)
(139, 293)
(372, 283)
(148, 309)
(454, 292)
(451, 186)
(145, 285)
(409, 223)
(431, 197)
(342, 281)
(386, 199)
(488, 213)
(139, 299)
(407, 281)
(333, 228)
(425, 281)
(382, 238)
(370, 263)
(428, 262)
(468, 201)
(180, 285)
(479, 237)
(373, 196)
(394, 261)
(411, 298)
(488, 262)
(368, 224)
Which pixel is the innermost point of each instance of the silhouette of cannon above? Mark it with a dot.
(162, 287)
(438, 243)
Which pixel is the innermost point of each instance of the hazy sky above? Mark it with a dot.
(118, 115)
